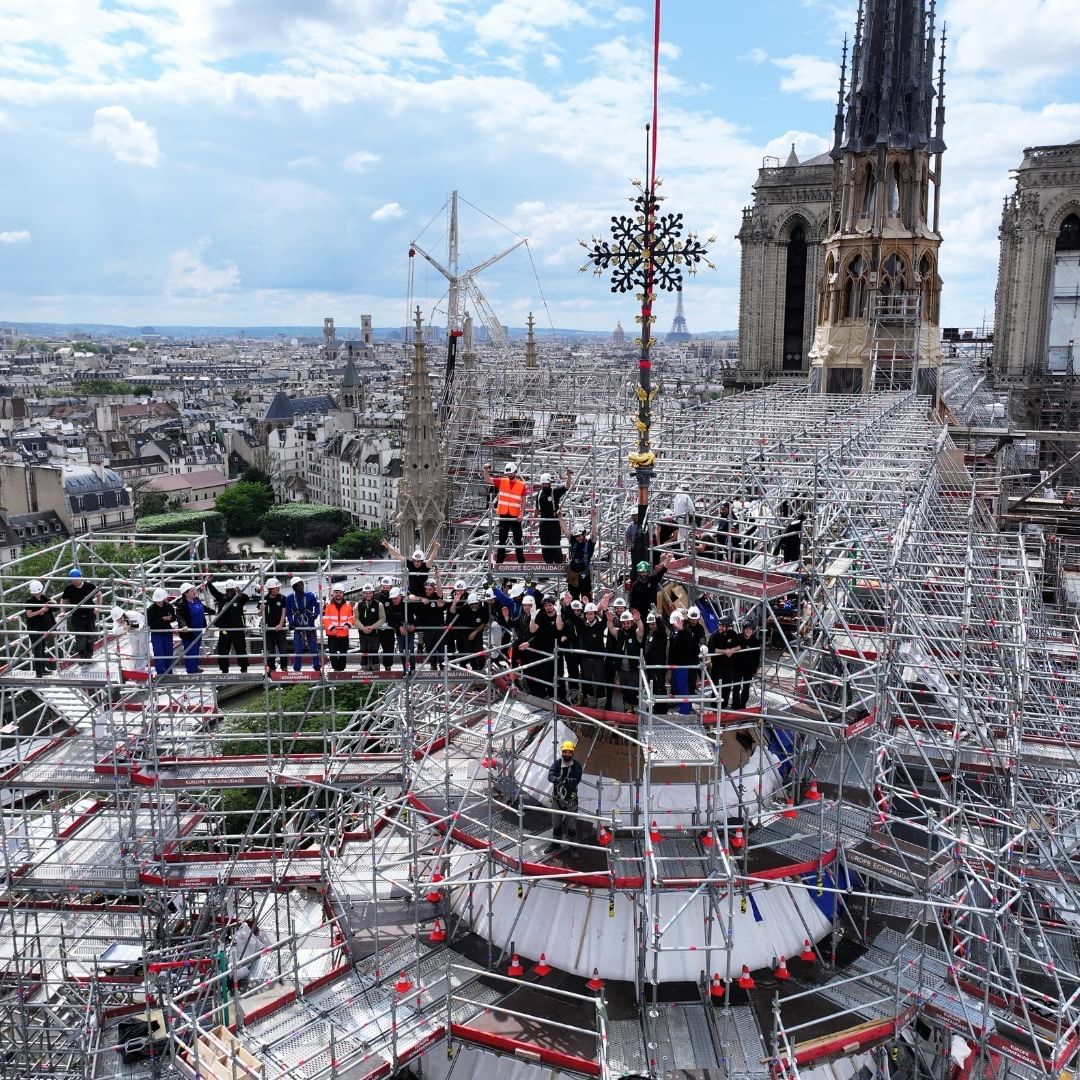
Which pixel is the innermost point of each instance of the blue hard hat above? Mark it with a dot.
(75, 572)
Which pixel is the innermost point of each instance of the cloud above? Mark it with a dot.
(308, 161)
(390, 211)
(131, 141)
(358, 161)
(15, 236)
(189, 275)
(809, 76)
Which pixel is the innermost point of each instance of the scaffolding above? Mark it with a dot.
(869, 861)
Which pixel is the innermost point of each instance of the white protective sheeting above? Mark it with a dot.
(672, 804)
(844, 1069)
(472, 1064)
(574, 931)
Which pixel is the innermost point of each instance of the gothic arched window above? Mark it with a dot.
(1069, 237)
(893, 276)
(894, 203)
(869, 193)
(855, 289)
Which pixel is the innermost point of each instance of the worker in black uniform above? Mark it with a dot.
(231, 624)
(624, 639)
(565, 778)
(429, 613)
(400, 627)
(654, 647)
(723, 664)
(591, 646)
(644, 586)
(549, 527)
(544, 631)
(472, 621)
(369, 621)
(748, 660)
(40, 621)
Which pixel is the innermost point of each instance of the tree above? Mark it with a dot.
(289, 524)
(359, 544)
(254, 475)
(244, 505)
(151, 502)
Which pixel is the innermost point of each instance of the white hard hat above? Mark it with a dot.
(669, 514)
(117, 614)
(368, 587)
(36, 587)
(575, 605)
(386, 581)
(579, 527)
(296, 581)
(184, 588)
(591, 607)
(460, 584)
(230, 583)
(530, 600)
(626, 616)
(545, 478)
(473, 598)
(516, 591)
(418, 553)
(693, 613)
(619, 603)
(395, 592)
(489, 594)
(651, 617)
(159, 594)
(273, 583)
(510, 468)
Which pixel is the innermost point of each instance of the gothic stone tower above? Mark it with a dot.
(1036, 320)
(878, 316)
(780, 274)
(421, 493)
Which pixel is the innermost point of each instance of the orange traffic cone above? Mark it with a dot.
(746, 980)
(542, 968)
(403, 984)
(706, 839)
(434, 895)
(716, 987)
(437, 933)
(515, 970)
(654, 833)
(603, 836)
(595, 984)
(807, 955)
(781, 971)
(812, 793)
(737, 840)
(790, 811)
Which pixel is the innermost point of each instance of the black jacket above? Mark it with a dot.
(230, 613)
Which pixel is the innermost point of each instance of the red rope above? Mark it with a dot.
(655, 95)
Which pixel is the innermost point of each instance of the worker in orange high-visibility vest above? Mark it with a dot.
(509, 508)
(337, 620)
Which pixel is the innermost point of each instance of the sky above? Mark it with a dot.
(269, 162)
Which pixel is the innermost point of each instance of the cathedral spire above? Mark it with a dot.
(891, 76)
(420, 494)
(838, 123)
(530, 343)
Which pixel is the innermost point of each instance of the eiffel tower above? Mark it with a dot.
(679, 332)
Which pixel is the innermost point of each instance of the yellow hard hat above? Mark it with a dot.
(568, 745)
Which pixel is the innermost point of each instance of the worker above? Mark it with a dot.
(231, 624)
(548, 524)
(160, 621)
(723, 645)
(544, 631)
(337, 621)
(430, 616)
(748, 660)
(570, 613)
(302, 609)
(472, 623)
(644, 586)
(369, 621)
(580, 556)
(624, 647)
(128, 628)
(387, 633)
(684, 652)
(40, 622)
(417, 566)
(654, 647)
(565, 777)
(401, 629)
(590, 637)
(664, 536)
(685, 511)
(509, 508)
(79, 600)
(455, 623)
(274, 620)
(191, 620)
